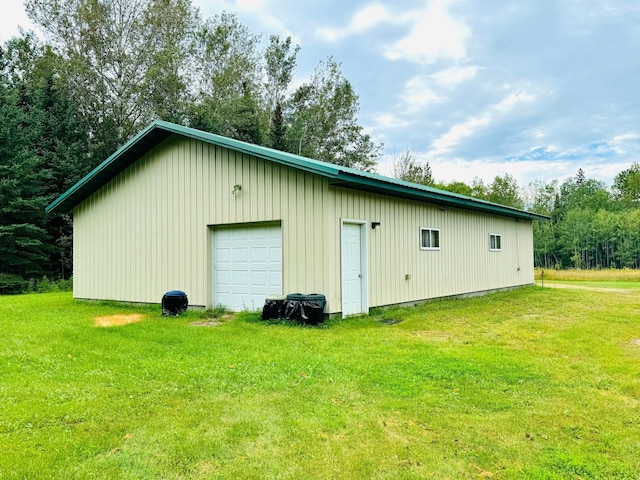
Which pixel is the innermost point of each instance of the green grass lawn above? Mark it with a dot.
(540, 384)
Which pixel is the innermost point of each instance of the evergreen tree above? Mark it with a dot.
(246, 122)
(23, 238)
(45, 153)
(277, 130)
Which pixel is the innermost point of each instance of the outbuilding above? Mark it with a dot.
(230, 222)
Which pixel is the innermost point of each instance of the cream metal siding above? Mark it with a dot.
(149, 230)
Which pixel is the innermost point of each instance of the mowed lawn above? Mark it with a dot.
(534, 383)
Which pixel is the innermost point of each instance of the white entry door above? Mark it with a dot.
(247, 265)
(354, 299)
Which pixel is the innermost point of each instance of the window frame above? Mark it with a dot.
(430, 230)
(495, 242)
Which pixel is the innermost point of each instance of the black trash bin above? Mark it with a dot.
(274, 307)
(174, 303)
(307, 308)
(312, 308)
(292, 306)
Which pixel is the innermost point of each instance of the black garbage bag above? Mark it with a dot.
(292, 306)
(307, 309)
(312, 309)
(273, 307)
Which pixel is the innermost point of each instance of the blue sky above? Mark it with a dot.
(534, 88)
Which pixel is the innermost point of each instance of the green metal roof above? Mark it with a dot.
(338, 175)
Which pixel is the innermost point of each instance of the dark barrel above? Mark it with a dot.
(174, 303)
(312, 308)
(307, 308)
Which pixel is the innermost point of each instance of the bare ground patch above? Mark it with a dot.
(213, 322)
(118, 320)
(206, 323)
(435, 336)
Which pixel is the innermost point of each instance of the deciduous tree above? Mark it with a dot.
(626, 185)
(124, 58)
(324, 122)
(408, 168)
(227, 75)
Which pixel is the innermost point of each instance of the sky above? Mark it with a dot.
(535, 88)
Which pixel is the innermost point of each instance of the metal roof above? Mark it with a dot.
(338, 175)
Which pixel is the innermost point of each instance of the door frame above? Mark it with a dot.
(364, 263)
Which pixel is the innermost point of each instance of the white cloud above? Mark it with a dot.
(620, 143)
(418, 93)
(259, 11)
(626, 136)
(13, 16)
(455, 75)
(524, 171)
(457, 133)
(252, 5)
(369, 17)
(387, 121)
(538, 133)
(512, 101)
(466, 129)
(435, 34)
(364, 19)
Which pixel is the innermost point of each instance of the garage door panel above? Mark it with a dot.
(247, 266)
(239, 278)
(240, 254)
(275, 253)
(259, 278)
(260, 255)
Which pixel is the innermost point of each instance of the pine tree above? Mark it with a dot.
(278, 129)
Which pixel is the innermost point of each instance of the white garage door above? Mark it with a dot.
(247, 265)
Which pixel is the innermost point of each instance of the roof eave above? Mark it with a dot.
(154, 134)
(439, 197)
(159, 130)
(112, 166)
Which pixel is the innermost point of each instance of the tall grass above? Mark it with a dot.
(539, 384)
(607, 275)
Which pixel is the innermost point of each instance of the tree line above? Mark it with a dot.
(101, 70)
(591, 225)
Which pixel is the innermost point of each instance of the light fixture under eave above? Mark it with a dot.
(236, 188)
(374, 225)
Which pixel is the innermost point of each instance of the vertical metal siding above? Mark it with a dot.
(148, 231)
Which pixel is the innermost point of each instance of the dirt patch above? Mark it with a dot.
(214, 321)
(206, 323)
(434, 335)
(636, 342)
(390, 321)
(118, 320)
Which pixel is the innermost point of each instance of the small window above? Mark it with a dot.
(495, 242)
(429, 239)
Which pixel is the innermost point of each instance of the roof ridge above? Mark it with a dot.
(340, 175)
